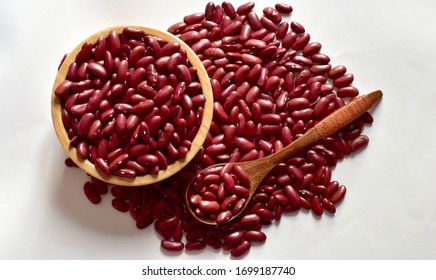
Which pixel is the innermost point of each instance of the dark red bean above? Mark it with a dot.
(172, 245)
(254, 235)
(241, 249)
(120, 205)
(272, 14)
(224, 216)
(293, 195)
(338, 195)
(91, 193)
(316, 205)
(328, 205)
(235, 237)
(359, 142)
(268, 24)
(195, 245)
(265, 214)
(337, 71)
(245, 8)
(347, 92)
(284, 8)
(344, 80)
(250, 219)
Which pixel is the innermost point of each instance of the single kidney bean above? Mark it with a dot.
(328, 205)
(347, 92)
(254, 21)
(245, 8)
(241, 248)
(359, 142)
(229, 9)
(195, 245)
(284, 8)
(91, 193)
(268, 24)
(254, 235)
(337, 71)
(172, 245)
(338, 195)
(316, 205)
(344, 80)
(235, 237)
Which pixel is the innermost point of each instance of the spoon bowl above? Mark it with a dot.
(259, 168)
(138, 180)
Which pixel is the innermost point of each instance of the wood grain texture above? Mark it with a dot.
(197, 142)
(347, 113)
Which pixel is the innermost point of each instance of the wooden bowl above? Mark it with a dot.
(139, 180)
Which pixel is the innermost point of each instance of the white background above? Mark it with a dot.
(389, 211)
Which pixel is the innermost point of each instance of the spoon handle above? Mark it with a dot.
(329, 125)
(347, 113)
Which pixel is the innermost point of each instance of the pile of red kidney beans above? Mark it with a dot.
(270, 84)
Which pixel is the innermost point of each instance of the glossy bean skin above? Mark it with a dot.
(241, 249)
(172, 245)
(284, 8)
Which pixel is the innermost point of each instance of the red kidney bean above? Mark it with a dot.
(224, 217)
(91, 193)
(344, 80)
(254, 235)
(282, 30)
(293, 195)
(337, 71)
(233, 29)
(193, 18)
(119, 161)
(272, 14)
(97, 69)
(301, 42)
(63, 88)
(235, 237)
(289, 39)
(265, 214)
(359, 142)
(331, 189)
(338, 195)
(250, 219)
(209, 206)
(347, 92)
(316, 205)
(320, 58)
(172, 245)
(176, 28)
(316, 158)
(268, 24)
(366, 118)
(297, 27)
(328, 205)
(120, 205)
(195, 245)
(297, 104)
(245, 8)
(241, 249)
(284, 8)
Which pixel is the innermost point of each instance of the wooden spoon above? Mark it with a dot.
(197, 143)
(259, 168)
